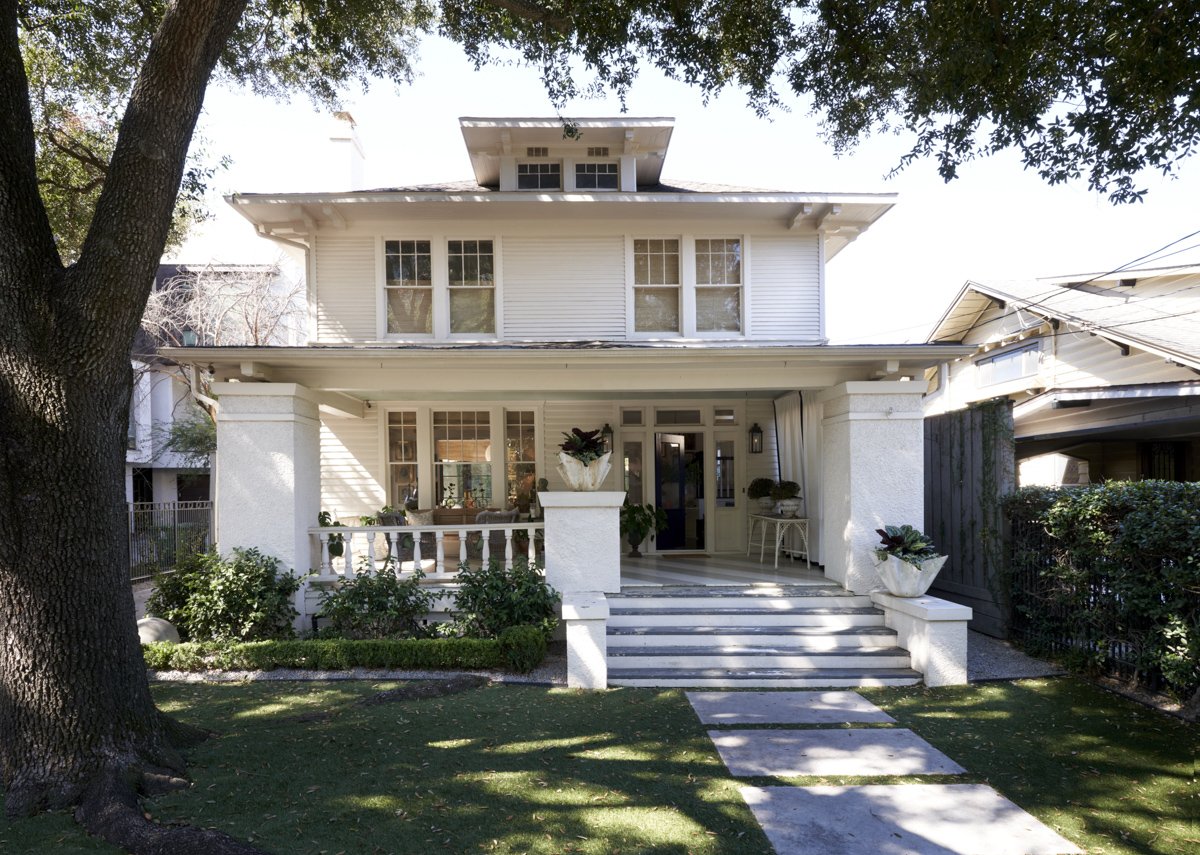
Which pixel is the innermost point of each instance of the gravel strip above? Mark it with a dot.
(992, 659)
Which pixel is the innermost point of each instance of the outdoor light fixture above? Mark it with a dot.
(606, 436)
(188, 336)
(756, 434)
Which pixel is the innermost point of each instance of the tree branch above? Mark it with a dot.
(535, 12)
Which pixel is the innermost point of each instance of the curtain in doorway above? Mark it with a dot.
(798, 428)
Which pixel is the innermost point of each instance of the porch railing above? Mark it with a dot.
(160, 533)
(438, 550)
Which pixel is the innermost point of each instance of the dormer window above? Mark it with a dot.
(539, 176)
(596, 176)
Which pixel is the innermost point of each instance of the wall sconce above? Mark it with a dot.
(188, 336)
(756, 439)
(606, 436)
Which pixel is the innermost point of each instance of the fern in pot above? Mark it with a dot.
(583, 460)
(906, 560)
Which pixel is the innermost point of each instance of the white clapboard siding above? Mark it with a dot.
(346, 289)
(349, 461)
(762, 411)
(559, 417)
(1087, 360)
(785, 288)
(564, 288)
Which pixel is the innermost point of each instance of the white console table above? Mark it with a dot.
(781, 526)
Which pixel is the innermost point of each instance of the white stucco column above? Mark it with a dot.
(269, 470)
(872, 472)
(583, 563)
(583, 540)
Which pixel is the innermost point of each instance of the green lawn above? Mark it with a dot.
(517, 769)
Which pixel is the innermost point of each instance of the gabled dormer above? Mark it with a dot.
(605, 154)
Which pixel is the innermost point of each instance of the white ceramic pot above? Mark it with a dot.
(789, 507)
(907, 580)
(766, 505)
(584, 477)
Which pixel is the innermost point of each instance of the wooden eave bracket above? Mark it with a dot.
(804, 210)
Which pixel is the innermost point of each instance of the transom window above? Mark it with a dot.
(409, 286)
(719, 285)
(539, 176)
(596, 176)
(656, 285)
(472, 286)
(462, 454)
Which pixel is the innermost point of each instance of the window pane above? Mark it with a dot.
(631, 453)
(472, 310)
(656, 309)
(718, 309)
(461, 448)
(726, 492)
(409, 310)
(520, 454)
(719, 262)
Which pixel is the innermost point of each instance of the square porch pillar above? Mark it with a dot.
(872, 472)
(268, 470)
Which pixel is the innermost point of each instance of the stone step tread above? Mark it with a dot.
(689, 591)
(740, 650)
(762, 673)
(734, 610)
(756, 629)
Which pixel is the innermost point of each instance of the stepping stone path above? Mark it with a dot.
(872, 819)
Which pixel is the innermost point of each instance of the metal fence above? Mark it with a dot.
(1076, 618)
(160, 533)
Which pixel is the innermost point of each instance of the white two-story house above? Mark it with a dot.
(457, 330)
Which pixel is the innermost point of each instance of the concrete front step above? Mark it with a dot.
(843, 600)
(708, 636)
(789, 678)
(836, 617)
(755, 657)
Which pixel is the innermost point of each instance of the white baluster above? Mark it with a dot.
(348, 556)
(371, 566)
(462, 549)
(324, 538)
(417, 550)
(508, 548)
(486, 536)
(532, 545)
(439, 566)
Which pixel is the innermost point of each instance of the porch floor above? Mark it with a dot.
(730, 569)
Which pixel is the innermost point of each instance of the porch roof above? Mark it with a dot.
(608, 369)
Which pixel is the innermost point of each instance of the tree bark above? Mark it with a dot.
(77, 723)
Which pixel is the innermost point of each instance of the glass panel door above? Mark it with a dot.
(679, 490)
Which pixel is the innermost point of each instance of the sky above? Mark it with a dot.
(996, 221)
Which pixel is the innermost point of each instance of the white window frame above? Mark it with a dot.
(595, 162)
(744, 320)
(526, 161)
(1007, 353)
(631, 287)
(439, 249)
(425, 463)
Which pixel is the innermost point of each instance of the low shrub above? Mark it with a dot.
(378, 605)
(337, 654)
(1108, 578)
(492, 599)
(243, 597)
(523, 647)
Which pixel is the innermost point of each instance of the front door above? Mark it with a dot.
(679, 490)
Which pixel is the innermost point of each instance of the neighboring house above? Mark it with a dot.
(1104, 371)
(153, 474)
(455, 331)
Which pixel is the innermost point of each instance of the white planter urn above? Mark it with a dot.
(584, 477)
(766, 505)
(908, 580)
(790, 507)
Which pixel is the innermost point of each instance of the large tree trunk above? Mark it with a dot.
(77, 723)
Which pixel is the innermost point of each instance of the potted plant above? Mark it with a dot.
(336, 544)
(583, 461)
(760, 491)
(637, 521)
(787, 495)
(906, 560)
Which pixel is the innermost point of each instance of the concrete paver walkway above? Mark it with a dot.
(874, 819)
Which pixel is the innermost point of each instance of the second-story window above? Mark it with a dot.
(1015, 364)
(719, 285)
(656, 285)
(596, 176)
(539, 176)
(409, 286)
(472, 286)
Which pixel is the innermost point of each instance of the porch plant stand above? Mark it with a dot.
(906, 561)
(583, 461)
